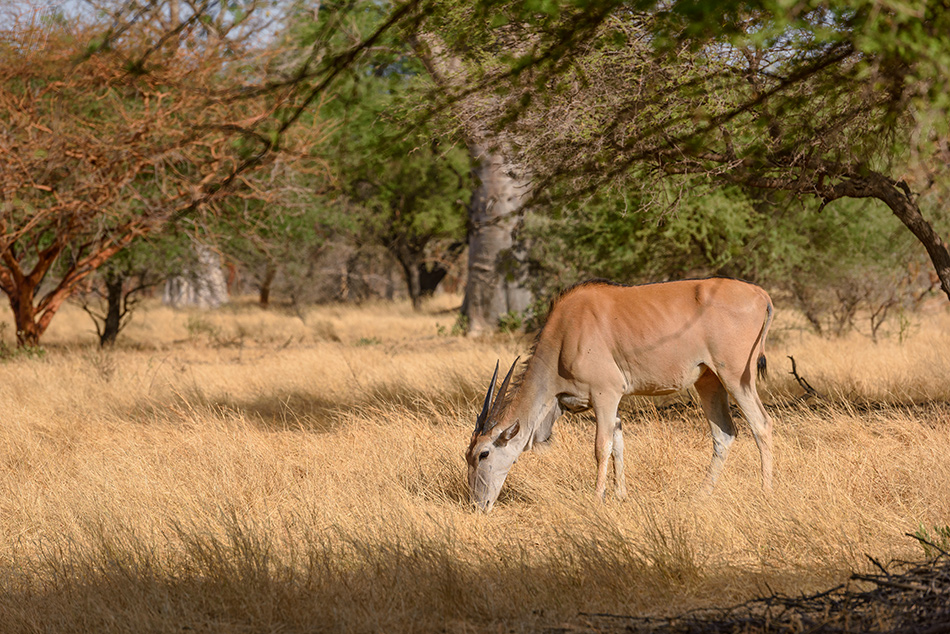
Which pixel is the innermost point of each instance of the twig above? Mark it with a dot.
(809, 390)
(877, 564)
(899, 585)
(923, 540)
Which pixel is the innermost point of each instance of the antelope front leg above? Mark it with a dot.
(605, 411)
(620, 483)
(603, 447)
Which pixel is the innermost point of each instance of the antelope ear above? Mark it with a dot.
(508, 434)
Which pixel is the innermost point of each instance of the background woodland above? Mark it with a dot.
(349, 150)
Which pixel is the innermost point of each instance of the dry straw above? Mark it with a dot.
(300, 473)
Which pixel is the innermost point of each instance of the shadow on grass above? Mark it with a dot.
(301, 410)
(243, 578)
(286, 411)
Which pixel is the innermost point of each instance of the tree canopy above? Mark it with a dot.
(829, 100)
(405, 184)
(116, 122)
(132, 116)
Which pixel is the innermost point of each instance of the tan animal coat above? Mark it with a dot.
(603, 341)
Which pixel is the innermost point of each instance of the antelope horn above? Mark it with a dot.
(480, 421)
(496, 406)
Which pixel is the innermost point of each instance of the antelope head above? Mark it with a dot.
(491, 452)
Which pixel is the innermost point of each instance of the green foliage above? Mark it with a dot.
(512, 321)
(851, 246)
(22, 352)
(460, 327)
(405, 186)
(706, 233)
(276, 242)
(611, 237)
(934, 541)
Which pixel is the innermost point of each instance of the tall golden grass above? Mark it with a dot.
(250, 471)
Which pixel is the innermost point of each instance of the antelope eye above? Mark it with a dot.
(483, 455)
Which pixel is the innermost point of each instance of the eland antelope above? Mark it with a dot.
(602, 341)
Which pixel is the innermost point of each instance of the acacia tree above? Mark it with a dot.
(115, 289)
(277, 235)
(118, 120)
(402, 186)
(829, 100)
(412, 204)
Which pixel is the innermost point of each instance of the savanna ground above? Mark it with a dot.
(249, 471)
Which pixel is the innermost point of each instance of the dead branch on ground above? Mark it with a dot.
(809, 390)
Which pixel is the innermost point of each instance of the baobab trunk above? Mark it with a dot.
(203, 286)
(496, 275)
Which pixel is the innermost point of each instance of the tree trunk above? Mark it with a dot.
(33, 318)
(203, 286)
(415, 287)
(113, 321)
(28, 330)
(411, 264)
(496, 276)
(270, 272)
(903, 205)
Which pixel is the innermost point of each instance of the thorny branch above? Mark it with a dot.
(809, 390)
(914, 598)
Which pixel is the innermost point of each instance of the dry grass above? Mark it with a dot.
(253, 472)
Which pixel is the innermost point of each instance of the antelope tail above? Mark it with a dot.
(761, 366)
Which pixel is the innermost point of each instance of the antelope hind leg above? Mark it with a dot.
(715, 401)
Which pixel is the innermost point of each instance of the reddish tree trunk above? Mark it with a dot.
(33, 317)
(28, 331)
(270, 272)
